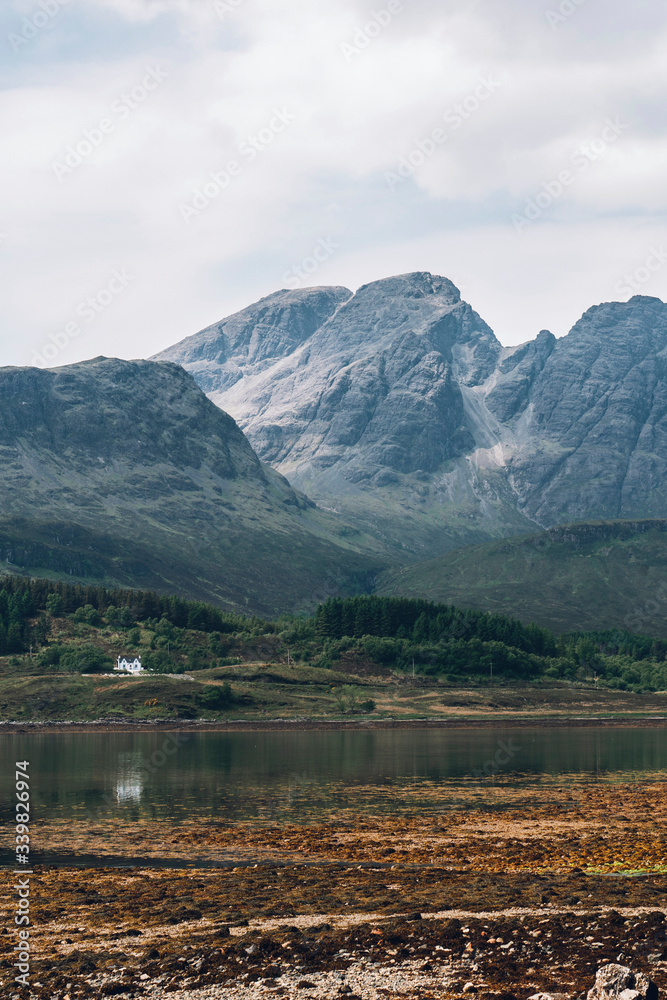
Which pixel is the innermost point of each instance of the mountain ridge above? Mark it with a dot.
(403, 412)
(586, 576)
(127, 471)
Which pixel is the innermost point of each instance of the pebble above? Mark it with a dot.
(363, 979)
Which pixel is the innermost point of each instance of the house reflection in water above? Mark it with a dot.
(129, 791)
(130, 780)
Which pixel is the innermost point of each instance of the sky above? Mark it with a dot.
(168, 162)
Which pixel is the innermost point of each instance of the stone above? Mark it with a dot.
(619, 982)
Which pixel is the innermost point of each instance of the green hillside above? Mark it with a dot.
(123, 474)
(368, 655)
(588, 576)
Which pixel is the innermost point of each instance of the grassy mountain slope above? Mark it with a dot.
(406, 658)
(586, 576)
(124, 473)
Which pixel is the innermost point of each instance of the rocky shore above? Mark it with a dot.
(505, 894)
(182, 933)
(459, 720)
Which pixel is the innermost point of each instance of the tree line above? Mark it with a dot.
(426, 622)
(401, 633)
(22, 599)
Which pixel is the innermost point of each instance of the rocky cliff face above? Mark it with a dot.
(108, 421)
(125, 471)
(398, 408)
(256, 338)
(594, 419)
(374, 387)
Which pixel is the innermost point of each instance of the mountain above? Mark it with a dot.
(364, 390)
(124, 472)
(253, 340)
(588, 418)
(398, 410)
(585, 576)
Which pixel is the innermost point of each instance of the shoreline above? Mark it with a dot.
(304, 725)
(265, 932)
(516, 894)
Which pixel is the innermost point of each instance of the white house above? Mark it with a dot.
(130, 666)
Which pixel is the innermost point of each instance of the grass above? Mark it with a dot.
(267, 670)
(584, 577)
(301, 692)
(242, 567)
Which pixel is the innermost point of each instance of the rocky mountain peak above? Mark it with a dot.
(375, 388)
(639, 317)
(256, 337)
(414, 284)
(400, 398)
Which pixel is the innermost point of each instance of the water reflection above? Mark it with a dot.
(130, 780)
(289, 776)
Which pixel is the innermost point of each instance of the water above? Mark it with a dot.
(294, 776)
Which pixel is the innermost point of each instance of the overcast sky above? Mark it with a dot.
(167, 162)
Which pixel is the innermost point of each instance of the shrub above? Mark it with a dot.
(347, 698)
(76, 659)
(159, 662)
(215, 697)
(85, 659)
(196, 660)
(50, 657)
(55, 605)
(126, 618)
(87, 614)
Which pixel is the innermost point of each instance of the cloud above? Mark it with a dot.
(351, 119)
(147, 10)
